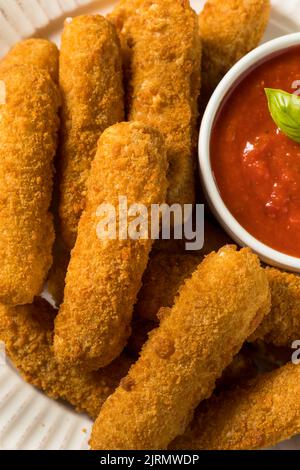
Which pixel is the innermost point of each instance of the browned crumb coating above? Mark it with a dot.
(258, 415)
(28, 333)
(40, 53)
(104, 275)
(90, 78)
(28, 135)
(162, 53)
(229, 29)
(216, 310)
(282, 326)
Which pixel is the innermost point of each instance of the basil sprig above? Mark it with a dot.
(285, 111)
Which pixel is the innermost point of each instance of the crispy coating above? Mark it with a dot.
(166, 272)
(162, 50)
(28, 128)
(229, 29)
(258, 415)
(216, 310)
(104, 275)
(28, 333)
(40, 53)
(90, 78)
(282, 326)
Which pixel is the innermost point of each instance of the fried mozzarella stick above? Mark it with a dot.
(282, 326)
(28, 135)
(40, 53)
(257, 415)
(104, 274)
(28, 334)
(216, 310)
(229, 29)
(161, 46)
(90, 79)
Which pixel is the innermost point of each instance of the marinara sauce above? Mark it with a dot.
(256, 167)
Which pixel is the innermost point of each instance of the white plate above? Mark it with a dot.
(29, 419)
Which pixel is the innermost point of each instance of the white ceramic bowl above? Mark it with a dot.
(226, 219)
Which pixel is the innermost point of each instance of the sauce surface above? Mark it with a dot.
(256, 167)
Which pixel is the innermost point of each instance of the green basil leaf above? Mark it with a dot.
(285, 111)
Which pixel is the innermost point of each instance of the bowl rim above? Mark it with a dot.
(237, 232)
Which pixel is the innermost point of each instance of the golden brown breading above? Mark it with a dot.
(40, 53)
(242, 367)
(28, 128)
(28, 333)
(259, 415)
(216, 310)
(104, 275)
(161, 46)
(229, 29)
(282, 326)
(90, 78)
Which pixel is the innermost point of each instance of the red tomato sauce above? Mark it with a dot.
(256, 167)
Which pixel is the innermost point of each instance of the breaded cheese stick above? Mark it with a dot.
(282, 326)
(216, 310)
(90, 78)
(161, 45)
(28, 334)
(229, 29)
(28, 135)
(40, 53)
(104, 275)
(258, 415)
